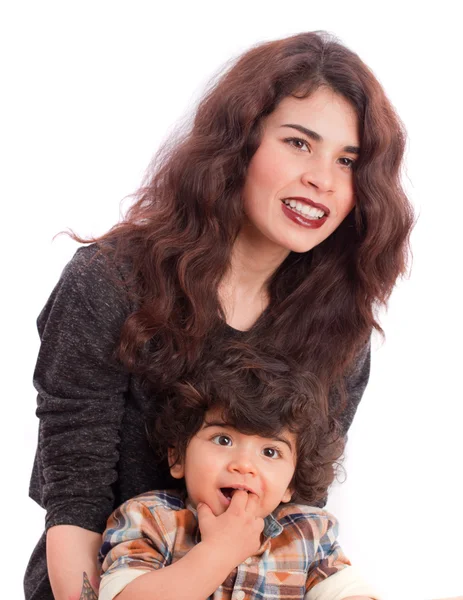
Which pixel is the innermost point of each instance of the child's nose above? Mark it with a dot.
(242, 464)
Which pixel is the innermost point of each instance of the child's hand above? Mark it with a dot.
(236, 532)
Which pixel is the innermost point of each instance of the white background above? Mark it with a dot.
(90, 89)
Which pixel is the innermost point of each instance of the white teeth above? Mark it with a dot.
(304, 209)
(314, 212)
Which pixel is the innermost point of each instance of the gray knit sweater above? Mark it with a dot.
(92, 451)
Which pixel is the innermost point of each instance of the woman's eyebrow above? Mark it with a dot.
(316, 137)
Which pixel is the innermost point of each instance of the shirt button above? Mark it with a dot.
(240, 595)
(248, 561)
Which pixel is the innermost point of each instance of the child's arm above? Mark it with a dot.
(226, 541)
(331, 576)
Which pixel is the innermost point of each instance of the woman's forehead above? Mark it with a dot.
(324, 112)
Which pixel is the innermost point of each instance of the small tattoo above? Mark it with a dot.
(87, 593)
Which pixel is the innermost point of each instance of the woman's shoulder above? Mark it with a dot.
(98, 262)
(93, 285)
(98, 274)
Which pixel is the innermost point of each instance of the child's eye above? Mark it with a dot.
(347, 162)
(222, 440)
(271, 452)
(298, 143)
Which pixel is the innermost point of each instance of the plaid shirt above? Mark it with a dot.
(299, 557)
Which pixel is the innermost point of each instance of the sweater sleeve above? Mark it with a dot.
(81, 391)
(356, 382)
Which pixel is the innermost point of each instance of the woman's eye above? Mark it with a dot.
(298, 143)
(222, 440)
(347, 162)
(271, 452)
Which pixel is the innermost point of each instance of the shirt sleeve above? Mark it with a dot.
(330, 575)
(136, 541)
(329, 557)
(81, 391)
(341, 585)
(113, 584)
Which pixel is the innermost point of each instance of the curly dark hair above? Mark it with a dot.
(257, 395)
(178, 235)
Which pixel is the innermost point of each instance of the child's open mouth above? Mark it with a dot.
(228, 492)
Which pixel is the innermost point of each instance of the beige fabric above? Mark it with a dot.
(114, 583)
(340, 585)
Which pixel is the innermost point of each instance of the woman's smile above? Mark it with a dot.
(304, 212)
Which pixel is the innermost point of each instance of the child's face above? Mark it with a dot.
(219, 459)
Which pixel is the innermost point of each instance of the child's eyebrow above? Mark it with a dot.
(215, 424)
(276, 438)
(283, 440)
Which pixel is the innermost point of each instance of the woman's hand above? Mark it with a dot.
(236, 532)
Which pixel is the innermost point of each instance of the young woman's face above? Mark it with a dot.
(299, 185)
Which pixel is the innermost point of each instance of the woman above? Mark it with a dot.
(279, 219)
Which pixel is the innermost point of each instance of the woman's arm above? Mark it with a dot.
(81, 393)
(72, 562)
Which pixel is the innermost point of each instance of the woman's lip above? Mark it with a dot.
(301, 220)
(322, 207)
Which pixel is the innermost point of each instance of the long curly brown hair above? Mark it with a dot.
(257, 395)
(178, 235)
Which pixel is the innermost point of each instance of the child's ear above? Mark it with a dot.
(287, 495)
(176, 465)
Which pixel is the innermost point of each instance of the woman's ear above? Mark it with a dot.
(176, 464)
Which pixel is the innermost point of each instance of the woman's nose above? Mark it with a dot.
(319, 175)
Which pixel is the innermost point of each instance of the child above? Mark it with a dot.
(247, 438)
